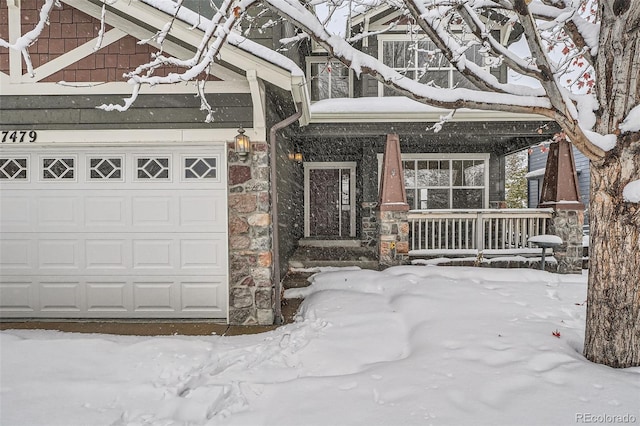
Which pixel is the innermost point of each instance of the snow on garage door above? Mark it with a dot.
(135, 232)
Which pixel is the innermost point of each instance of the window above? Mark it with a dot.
(156, 168)
(328, 79)
(14, 168)
(437, 181)
(421, 61)
(105, 168)
(58, 168)
(200, 168)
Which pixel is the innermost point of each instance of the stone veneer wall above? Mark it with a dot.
(567, 224)
(250, 257)
(394, 238)
(369, 235)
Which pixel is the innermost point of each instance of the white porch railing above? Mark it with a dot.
(486, 229)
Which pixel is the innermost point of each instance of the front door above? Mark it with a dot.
(330, 199)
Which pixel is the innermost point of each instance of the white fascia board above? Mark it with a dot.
(119, 137)
(358, 19)
(419, 117)
(300, 92)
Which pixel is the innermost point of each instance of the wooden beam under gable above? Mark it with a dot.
(73, 56)
(155, 19)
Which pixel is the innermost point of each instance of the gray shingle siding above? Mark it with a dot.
(149, 111)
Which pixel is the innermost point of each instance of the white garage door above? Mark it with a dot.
(135, 232)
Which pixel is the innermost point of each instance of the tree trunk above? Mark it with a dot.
(613, 302)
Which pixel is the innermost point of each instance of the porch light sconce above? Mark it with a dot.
(295, 156)
(243, 144)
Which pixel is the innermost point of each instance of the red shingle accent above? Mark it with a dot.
(66, 15)
(98, 75)
(87, 63)
(69, 75)
(55, 30)
(27, 5)
(83, 75)
(87, 29)
(56, 45)
(69, 30)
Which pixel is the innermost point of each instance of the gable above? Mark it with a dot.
(75, 56)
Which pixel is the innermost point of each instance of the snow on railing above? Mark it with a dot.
(476, 229)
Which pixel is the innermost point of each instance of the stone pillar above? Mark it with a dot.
(560, 192)
(250, 257)
(567, 224)
(369, 224)
(393, 236)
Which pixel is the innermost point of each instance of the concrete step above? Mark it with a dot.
(296, 280)
(313, 257)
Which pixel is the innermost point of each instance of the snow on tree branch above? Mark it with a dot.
(23, 42)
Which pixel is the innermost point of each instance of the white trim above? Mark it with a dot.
(131, 137)
(15, 31)
(258, 100)
(351, 165)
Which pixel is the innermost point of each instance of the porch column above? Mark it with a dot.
(393, 237)
(560, 192)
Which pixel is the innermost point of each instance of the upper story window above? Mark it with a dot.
(421, 61)
(328, 78)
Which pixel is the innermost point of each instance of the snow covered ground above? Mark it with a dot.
(412, 345)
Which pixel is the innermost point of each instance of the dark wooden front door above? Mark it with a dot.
(330, 199)
(324, 202)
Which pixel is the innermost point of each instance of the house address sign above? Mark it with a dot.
(19, 136)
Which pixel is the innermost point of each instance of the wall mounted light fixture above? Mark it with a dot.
(243, 144)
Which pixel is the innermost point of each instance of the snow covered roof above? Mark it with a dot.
(401, 109)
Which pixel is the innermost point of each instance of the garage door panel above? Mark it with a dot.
(155, 296)
(60, 296)
(18, 297)
(105, 211)
(203, 213)
(15, 212)
(108, 296)
(58, 212)
(103, 253)
(97, 237)
(16, 254)
(204, 295)
(153, 253)
(56, 254)
(202, 253)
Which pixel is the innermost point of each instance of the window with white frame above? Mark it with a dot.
(328, 78)
(421, 60)
(458, 182)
